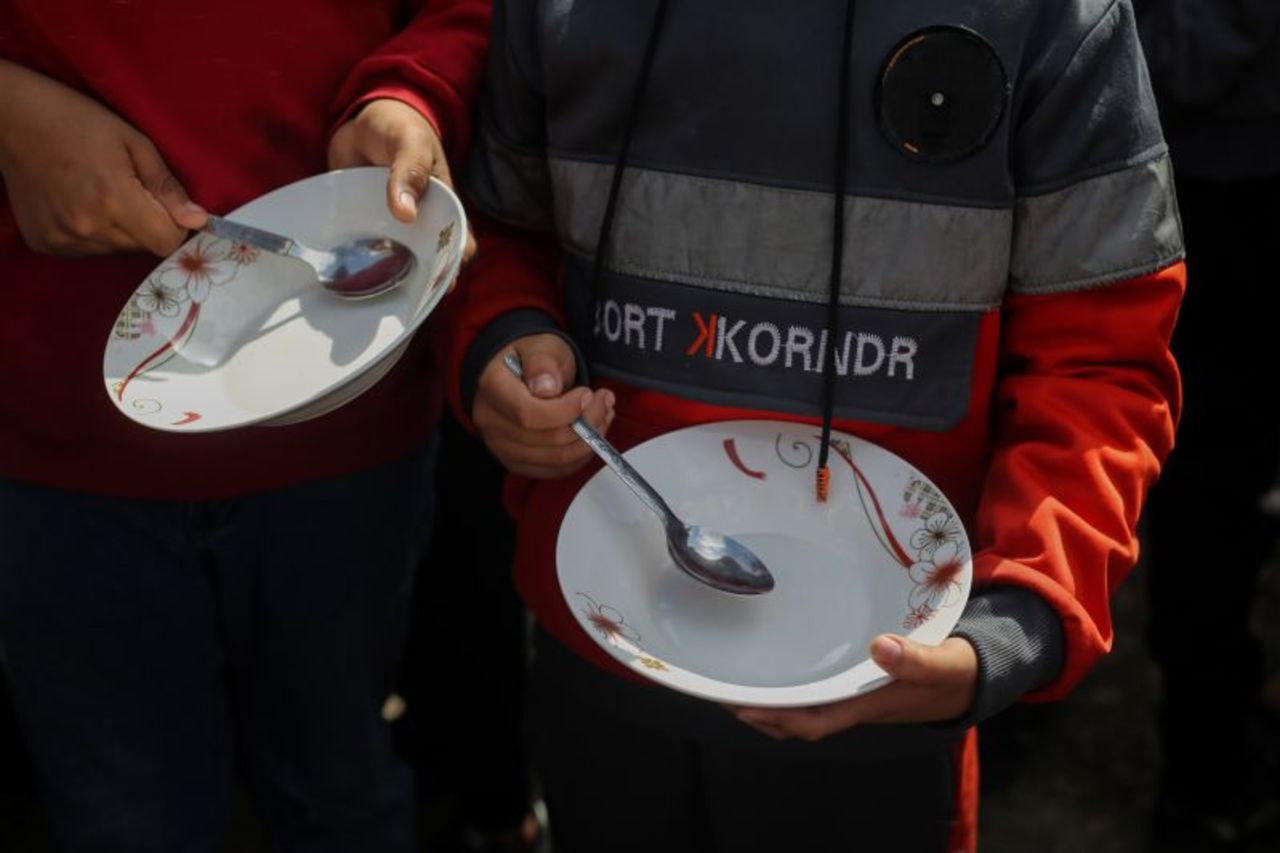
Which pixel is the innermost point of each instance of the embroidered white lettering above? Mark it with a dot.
(661, 315)
(860, 365)
(842, 356)
(903, 351)
(761, 344)
(799, 341)
(725, 340)
(753, 351)
(633, 321)
(612, 328)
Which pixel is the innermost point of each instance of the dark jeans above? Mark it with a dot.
(155, 648)
(633, 768)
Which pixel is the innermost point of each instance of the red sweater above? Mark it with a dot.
(240, 98)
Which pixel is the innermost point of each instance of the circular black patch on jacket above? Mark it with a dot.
(941, 94)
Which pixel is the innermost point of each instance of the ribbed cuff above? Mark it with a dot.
(502, 331)
(1020, 646)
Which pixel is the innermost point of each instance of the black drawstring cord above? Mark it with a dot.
(637, 99)
(823, 484)
(838, 192)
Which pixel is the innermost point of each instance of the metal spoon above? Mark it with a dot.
(353, 270)
(705, 555)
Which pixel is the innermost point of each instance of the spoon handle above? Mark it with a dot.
(620, 466)
(242, 233)
(615, 460)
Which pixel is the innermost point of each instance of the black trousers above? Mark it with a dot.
(153, 645)
(633, 768)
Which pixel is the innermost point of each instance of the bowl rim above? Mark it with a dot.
(394, 347)
(859, 678)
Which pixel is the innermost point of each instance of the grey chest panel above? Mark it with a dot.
(905, 367)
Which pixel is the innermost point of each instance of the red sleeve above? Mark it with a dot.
(1087, 405)
(434, 64)
(513, 269)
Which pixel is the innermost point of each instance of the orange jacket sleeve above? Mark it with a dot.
(1086, 411)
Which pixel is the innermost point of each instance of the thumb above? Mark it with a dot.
(410, 176)
(904, 659)
(163, 186)
(549, 366)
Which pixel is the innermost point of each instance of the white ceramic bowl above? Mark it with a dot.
(221, 335)
(886, 553)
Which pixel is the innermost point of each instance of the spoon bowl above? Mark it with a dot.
(356, 269)
(712, 558)
(709, 555)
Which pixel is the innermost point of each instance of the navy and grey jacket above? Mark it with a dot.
(991, 150)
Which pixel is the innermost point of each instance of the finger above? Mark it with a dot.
(496, 426)
(161, 183)
(134, 210)
(902, 659)
(543, 463)
(137, 213)
(560, 447)
(468, 252)
(768, 730)
(601, 410)
(499, 428)
(750, 716)
(508, 397)
(804, 723)
(548, 364)
(410, 175)
(599, 414)
(900, 702)
(916, 663)
(536, 461)
(469, 249)
(515, 449)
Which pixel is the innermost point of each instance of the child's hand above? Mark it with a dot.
(931, 684)
(525, 424)
(81, 180)
(391, 133)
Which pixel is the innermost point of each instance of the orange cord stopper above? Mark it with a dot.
(824, 484)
